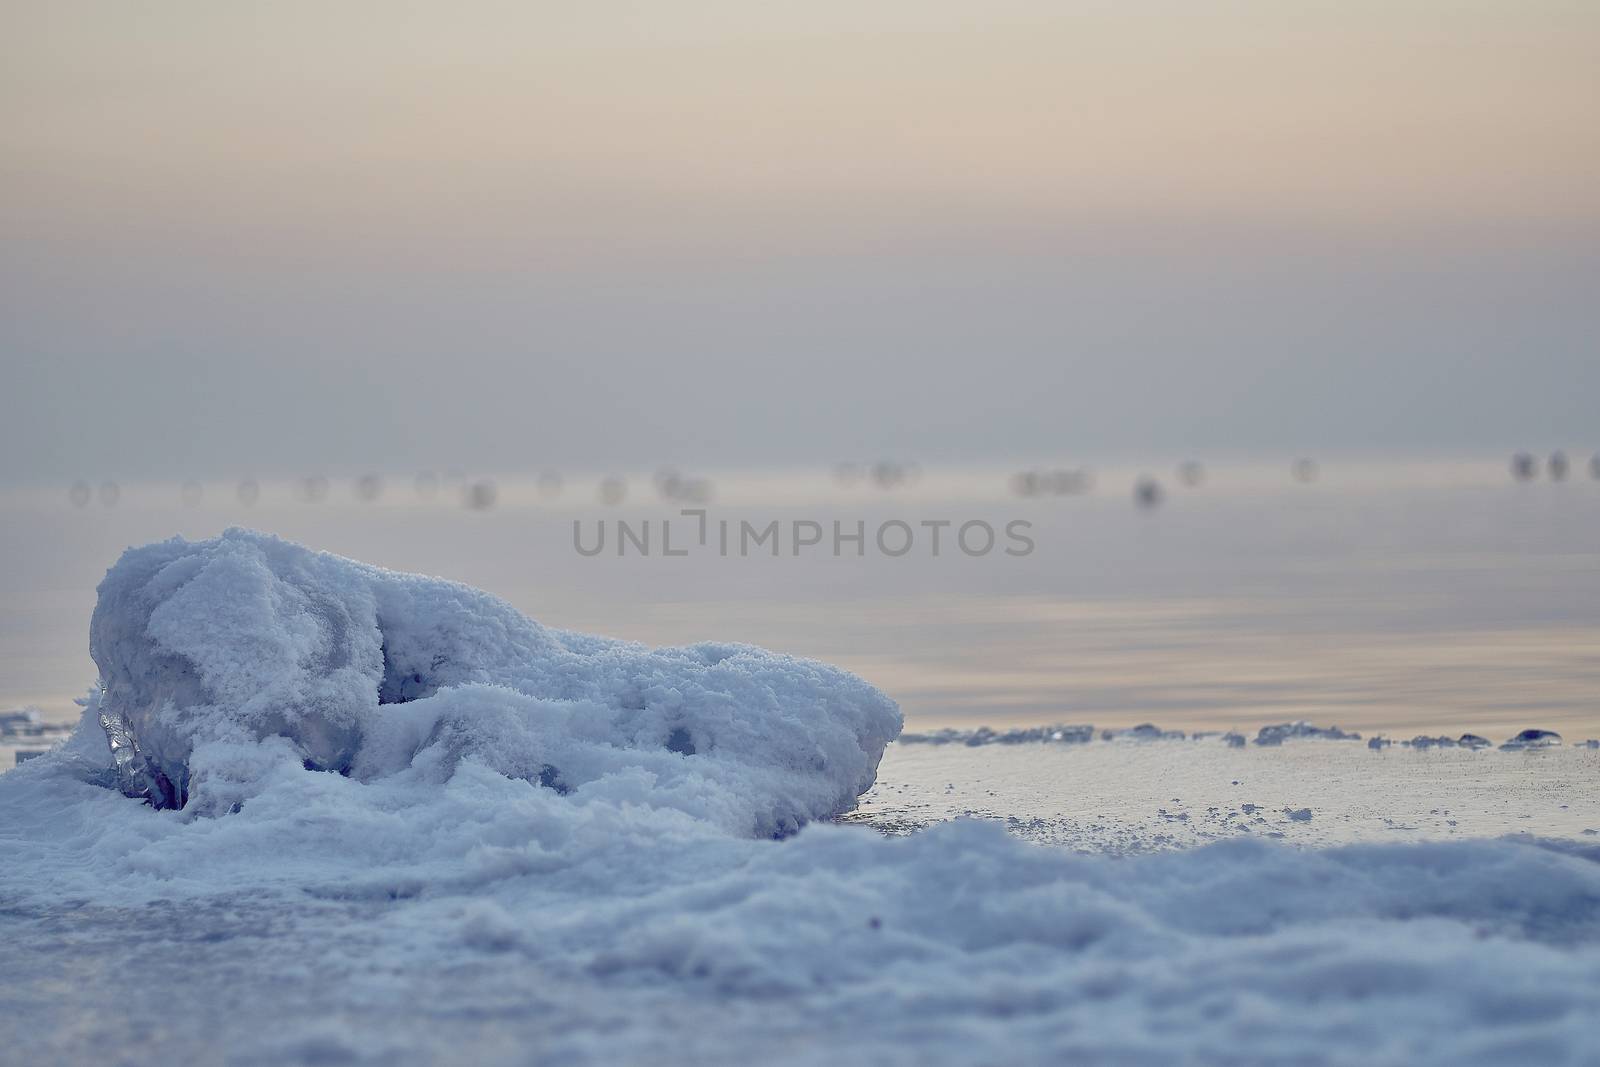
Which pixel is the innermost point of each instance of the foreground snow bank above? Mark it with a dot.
(488, 919)
(206, 649)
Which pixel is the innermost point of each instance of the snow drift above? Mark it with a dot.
(204, 647)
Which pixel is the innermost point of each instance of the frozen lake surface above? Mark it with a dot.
(1133, 796)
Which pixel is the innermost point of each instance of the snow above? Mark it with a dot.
(418, 827)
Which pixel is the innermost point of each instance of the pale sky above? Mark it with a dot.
(503, 235)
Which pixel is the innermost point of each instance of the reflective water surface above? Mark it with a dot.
(1408, 597)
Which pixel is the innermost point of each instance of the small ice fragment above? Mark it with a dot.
(131, 769)
(1298, 814)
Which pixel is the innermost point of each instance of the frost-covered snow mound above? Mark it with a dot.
(220, 657)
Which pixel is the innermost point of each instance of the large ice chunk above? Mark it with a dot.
(368, 672)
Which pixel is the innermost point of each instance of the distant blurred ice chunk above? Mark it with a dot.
(1278, 733)
(1145, 731)
(1529, 739)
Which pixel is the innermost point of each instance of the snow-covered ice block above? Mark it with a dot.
(208, 648)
